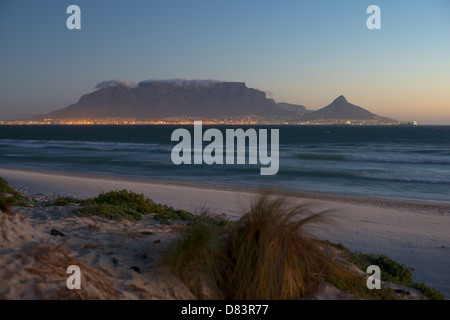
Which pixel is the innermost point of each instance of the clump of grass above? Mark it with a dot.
(165, 213)
(356, 286)
(5, 188)
(124, 204)
(219, 223)
(269, 255)
(392, 271)
(5, 207)
(264, 255)
(123, 198)
(64, 201)
(429, 292)
(11, 197)
(115, 205)
(192, 257)
(108, 211)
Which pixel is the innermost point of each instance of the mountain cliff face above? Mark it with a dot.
(155, 99)
(297, 108)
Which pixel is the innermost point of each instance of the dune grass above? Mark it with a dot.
(116, 205)
(111, 212)
(123, 198)
(49, 265)
(192, 258)
(430, 293)
(267, 255)
(264, 255)
(219, 224)
(124, 204)
(10, 197)
(393, 271)
(5, 206)
(164, 214)
(6, 189)
(64, 201)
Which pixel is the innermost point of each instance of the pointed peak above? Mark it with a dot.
(341, 98)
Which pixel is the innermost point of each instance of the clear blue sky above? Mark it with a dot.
(305, 52)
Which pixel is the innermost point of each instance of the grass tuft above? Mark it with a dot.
(11, 197)
(124, 204)
(264, 255)
(165, 213)
(218, 223)
(392, 271)
(429, 292)
(64, 201)
(269, 255)
(192, 257)
(5, 206)
(108, 211)
(116, 205)
(123, 198)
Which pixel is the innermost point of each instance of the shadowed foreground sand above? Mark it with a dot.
(121, 259)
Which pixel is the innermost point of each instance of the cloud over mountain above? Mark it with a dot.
(114, 83)
(184, 82)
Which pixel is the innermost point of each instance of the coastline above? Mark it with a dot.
(441, 207)
(413, 232)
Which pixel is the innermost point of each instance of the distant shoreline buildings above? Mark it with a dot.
(250, 120)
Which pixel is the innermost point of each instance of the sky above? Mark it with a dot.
(303, 52)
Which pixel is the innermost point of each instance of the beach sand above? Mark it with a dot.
(120, 255)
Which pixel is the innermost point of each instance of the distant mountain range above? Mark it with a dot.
(197, 98)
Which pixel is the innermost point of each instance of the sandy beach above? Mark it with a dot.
(416, 233)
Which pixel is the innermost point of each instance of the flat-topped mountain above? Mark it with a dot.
(160, 99)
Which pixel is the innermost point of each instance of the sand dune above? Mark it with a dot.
(413, 233)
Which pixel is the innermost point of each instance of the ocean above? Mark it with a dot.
(388, 161)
